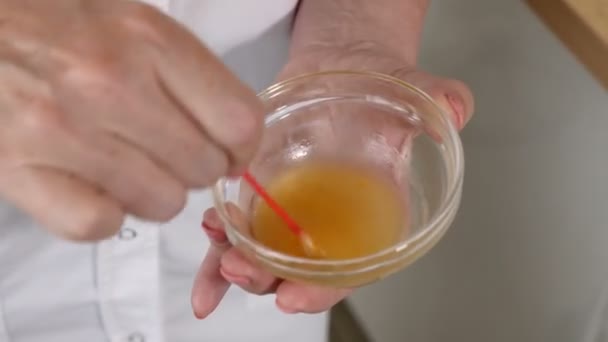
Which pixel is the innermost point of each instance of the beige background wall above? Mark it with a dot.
(527, 258)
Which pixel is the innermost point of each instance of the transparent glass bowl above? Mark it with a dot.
(363, 117)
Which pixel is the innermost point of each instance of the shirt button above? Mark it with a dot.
(127, 234)
(136, 337)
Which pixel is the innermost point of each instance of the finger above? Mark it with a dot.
(209, 285)
(192, 155)
(66, 205)
(45, 134)
(144, 116)
(214, 228)
(234, 267)
(453, 96)
(228, 111)
(123, 172)
(250, 277)
(302, 298)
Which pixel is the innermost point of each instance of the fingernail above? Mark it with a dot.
(235, 279)
(214, 234)
(458, 109)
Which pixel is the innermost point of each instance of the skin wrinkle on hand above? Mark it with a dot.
(394, 24)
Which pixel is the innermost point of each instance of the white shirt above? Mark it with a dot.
(136, 286)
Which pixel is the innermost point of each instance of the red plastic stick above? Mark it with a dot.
(295, 228)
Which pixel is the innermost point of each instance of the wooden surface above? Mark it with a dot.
(583, 26)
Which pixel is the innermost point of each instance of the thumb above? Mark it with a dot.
(452, 96)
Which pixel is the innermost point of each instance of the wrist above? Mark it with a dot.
(384, 27)
(356, 55)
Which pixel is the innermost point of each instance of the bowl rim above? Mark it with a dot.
(453, 192)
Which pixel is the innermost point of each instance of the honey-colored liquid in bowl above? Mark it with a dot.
(349, 211)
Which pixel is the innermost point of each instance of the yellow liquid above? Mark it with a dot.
(347, 210)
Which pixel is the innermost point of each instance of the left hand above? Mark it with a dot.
(224, 265)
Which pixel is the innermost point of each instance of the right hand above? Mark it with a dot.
(109, 108)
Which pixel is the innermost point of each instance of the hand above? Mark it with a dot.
(109, 107)
(453, 96)
(224, 265)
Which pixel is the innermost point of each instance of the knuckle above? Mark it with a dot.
(98, 77)
(460, 87)
(199, 167)
(30, 105)
(174, 203)
(248, 125)
(242, 137)
(90, 66)
(211, 219)
(467, 96)
(141, 18)
(164, 204)
(40, 115)
(138, 11)
(143, 187)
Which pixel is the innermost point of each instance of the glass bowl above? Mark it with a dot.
(365, 117)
